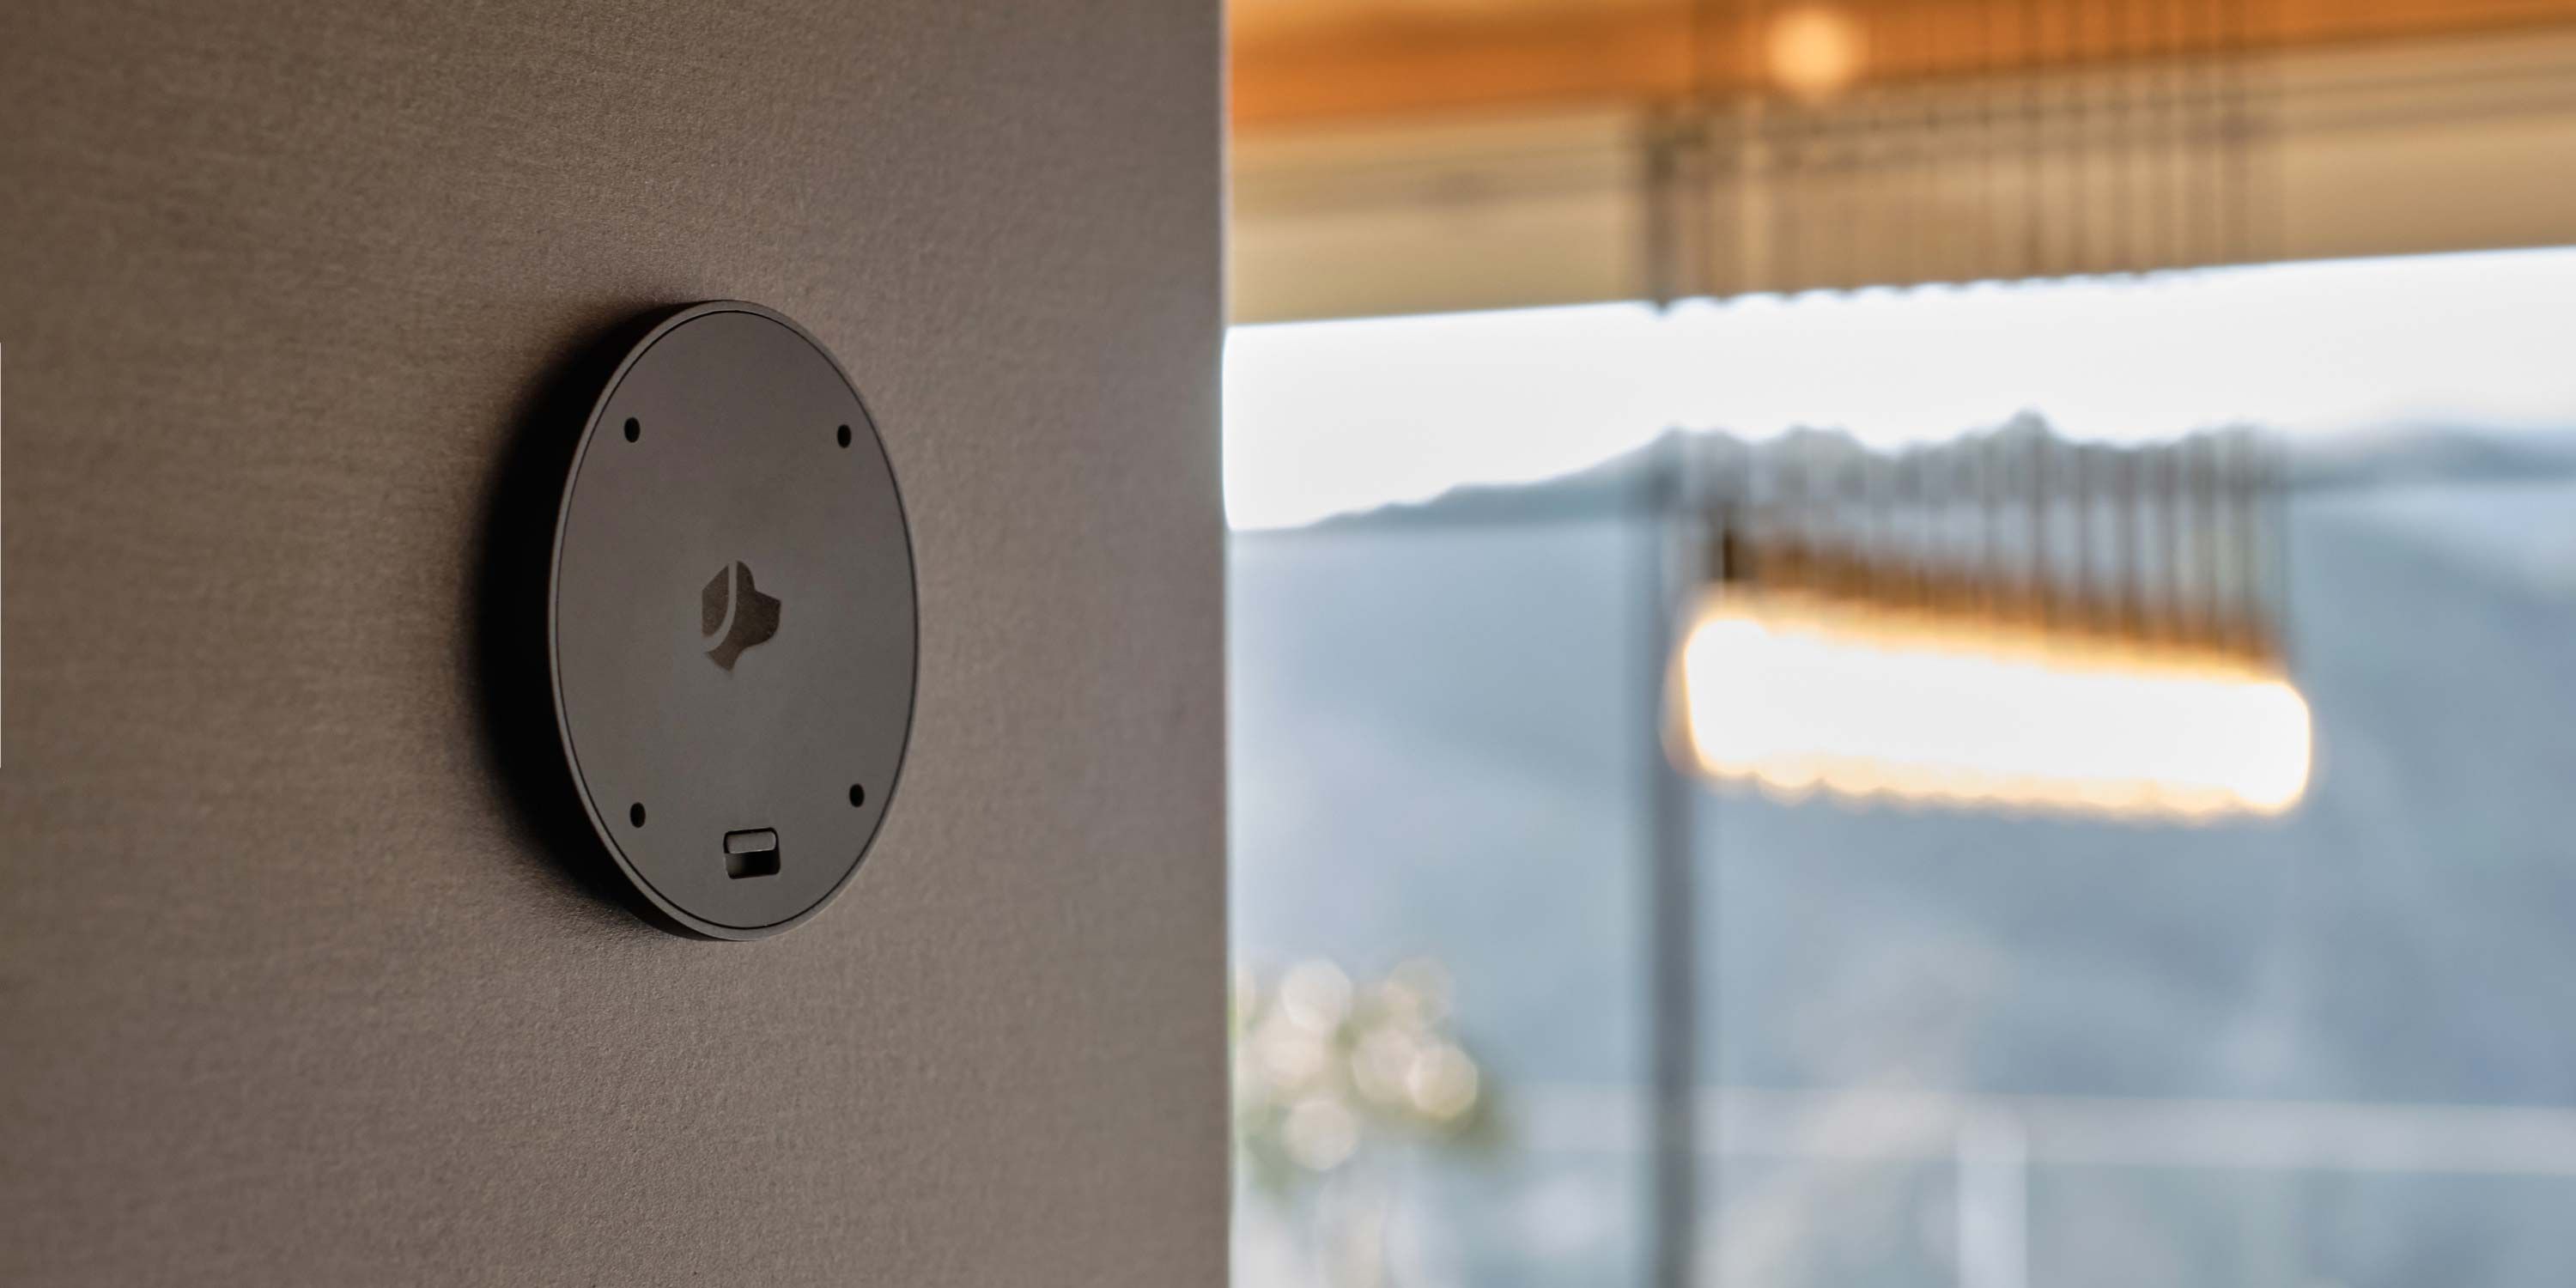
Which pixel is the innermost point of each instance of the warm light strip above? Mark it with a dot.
(1799, 696)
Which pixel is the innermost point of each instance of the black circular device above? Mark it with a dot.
(732, 622)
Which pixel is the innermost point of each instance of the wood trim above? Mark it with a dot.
(1381, 68)
(2359, 149)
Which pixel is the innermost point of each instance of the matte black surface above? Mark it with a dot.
(732, 620)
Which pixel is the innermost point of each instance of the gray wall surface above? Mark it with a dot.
(291, 989)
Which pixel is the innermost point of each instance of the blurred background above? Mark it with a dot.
(1886, 643)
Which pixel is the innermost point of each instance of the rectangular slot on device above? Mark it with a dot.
(751, 853)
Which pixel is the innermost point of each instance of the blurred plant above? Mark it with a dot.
(1326, 1072)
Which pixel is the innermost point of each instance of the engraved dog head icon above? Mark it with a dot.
(734, 615)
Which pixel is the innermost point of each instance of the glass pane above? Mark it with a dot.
(2320, 1049)
(1435, 768)
(1934, 1044)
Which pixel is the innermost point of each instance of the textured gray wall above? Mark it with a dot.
(289, 992)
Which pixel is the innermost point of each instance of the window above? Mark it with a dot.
(1928, 1044)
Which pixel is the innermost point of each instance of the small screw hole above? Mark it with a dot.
(844, 435)
(635, 813)
(633, 431)
(858, 794)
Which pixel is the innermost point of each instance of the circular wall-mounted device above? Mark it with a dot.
(732, 622)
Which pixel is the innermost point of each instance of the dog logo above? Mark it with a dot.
(734, 615)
